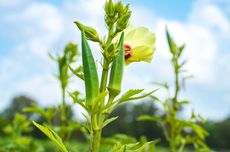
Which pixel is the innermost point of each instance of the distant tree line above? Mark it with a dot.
(127, 123)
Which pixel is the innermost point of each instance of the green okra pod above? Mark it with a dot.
(90, 71)
(116, 73)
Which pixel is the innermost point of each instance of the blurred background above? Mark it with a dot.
(29, 29)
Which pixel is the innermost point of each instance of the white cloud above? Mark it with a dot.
(202, 32)
(44, 26)
(210, 16)
(25, 68)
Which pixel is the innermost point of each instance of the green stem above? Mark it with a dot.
(96, 141)
(175, 107)
(177, 86)
(172, 141)
(97, 122)
(104, 77)
(63, 108)
(181, 147)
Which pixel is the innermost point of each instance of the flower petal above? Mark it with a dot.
(140, 36)
(141, 53)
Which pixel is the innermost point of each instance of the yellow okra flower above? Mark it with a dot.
(139, 45)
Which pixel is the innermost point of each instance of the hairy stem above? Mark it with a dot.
(104, 77)
(96, 141)
(173, 146)
(99, 118)
(63, 108)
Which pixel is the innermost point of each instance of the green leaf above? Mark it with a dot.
(34, 108)
(97, 104)
(184, 102)
(118, 147)
(52, 136)
(149, 118)
(146, 145)
(132, 147)
(130, 95)
(107, 121)
(78, 100)
(155, 98)
(172, 44)
(77, 72)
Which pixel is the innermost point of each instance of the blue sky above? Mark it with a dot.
(29, 29)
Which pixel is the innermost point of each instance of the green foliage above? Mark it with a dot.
(219, 135)
(173, 126)
(130, 95)
(16, 129)
(63, 114)
(52, 136)
(48, 113)
(68, 57)
(16, 106)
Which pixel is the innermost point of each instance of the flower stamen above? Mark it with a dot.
(128, 50)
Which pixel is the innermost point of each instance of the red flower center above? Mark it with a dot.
(128, 50)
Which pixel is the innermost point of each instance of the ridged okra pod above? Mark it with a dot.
(117, 68)
(90, 71)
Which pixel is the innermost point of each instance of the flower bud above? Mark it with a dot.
(90, 32)
(118, 7)
(122, 22)
(109, 8)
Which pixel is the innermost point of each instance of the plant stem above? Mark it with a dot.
(99, 118)
(173, 147)
(63, 108)
(104, 77)
(177, 86)
(172, 140)
(96, 140)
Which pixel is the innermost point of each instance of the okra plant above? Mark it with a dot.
(178, 132)
(19, 141)
(67, 126)
(120, 47)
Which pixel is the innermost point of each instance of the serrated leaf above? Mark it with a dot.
(77, 72)
(77, 100)
(132, 147)
(118, 147)
(52, 136)
(97, 104)
(155, 98)
(107, 121)
(140, 149)
(129, 95)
